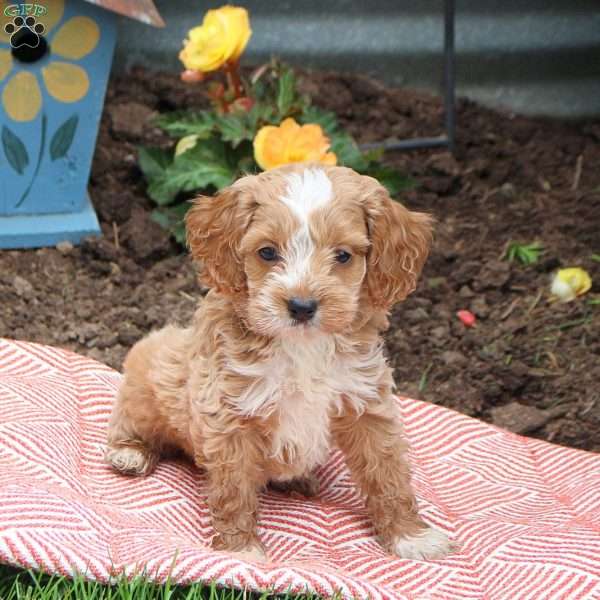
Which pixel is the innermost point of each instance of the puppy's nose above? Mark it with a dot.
(302, 309)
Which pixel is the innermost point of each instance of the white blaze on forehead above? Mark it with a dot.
(305, 193)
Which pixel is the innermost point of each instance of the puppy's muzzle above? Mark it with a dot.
(301, 309)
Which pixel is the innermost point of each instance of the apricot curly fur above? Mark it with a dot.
(253, 396)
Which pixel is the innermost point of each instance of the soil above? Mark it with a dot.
(528, 364)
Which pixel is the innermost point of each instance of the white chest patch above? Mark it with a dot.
(302, 384)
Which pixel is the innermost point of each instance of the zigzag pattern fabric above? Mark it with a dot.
(524, 513)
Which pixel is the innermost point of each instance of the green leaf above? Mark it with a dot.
(163, 189)
(526, 254)
(347, 151)
(172, 219)
(595, 257)
(153, 161)
(63, 138)
(200, 167)
(234, 128)
(15, 150)
(394, 181)
(181, 123)
(327, 120)
(286, 91)
(261, 114)
(158, 215)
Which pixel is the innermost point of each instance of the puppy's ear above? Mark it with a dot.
(400, 242)
(214, 229)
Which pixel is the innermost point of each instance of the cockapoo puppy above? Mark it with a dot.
(284, 357)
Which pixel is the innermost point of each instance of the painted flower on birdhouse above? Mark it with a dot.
(29, 40)
(55, 59)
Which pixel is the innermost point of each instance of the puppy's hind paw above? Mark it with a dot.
(427, 544)
(131, 460)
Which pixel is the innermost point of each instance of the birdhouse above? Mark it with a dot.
(55, 58)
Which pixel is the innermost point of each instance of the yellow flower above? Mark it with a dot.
(290, 143)
(570, 283)
(66, 82)
(221, 38)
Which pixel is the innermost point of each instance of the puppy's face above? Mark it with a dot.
(307, 249)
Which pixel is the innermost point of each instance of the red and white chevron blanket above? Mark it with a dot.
(525, 513)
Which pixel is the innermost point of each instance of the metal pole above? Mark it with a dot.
(449, 73)
(449, 83)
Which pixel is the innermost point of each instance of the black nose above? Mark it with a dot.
(301, 309)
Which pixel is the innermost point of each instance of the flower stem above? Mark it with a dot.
(234, 80)
(39, 162)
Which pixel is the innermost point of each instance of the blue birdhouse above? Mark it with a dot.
(55, 58)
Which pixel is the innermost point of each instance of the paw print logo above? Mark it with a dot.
(26, 38)
(61, 46)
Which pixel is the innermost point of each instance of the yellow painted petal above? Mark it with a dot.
(56, 9)
(76, 38)
(66, 82)
(22, 98)
(5, 63)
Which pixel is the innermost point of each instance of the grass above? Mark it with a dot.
(526, 254)
(424, 376)
(17, 584)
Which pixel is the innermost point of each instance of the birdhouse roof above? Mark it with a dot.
(141, 10)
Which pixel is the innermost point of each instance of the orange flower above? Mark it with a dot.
(290, 143)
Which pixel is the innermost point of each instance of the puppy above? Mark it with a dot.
(284, 357)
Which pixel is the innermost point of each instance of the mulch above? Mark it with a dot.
(528, 364)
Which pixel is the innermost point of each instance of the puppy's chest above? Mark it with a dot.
(301, 434)
(299, 389)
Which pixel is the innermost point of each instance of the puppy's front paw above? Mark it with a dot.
(241, 547)
(254, 553)
(130, 460)
(428, 544)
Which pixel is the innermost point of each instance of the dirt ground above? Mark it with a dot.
(530, 365)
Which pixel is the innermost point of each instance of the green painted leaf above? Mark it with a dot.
(63, 138)
(15, 150)
(153, 161)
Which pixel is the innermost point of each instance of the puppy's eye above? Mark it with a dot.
(268, 253)
(342, 256)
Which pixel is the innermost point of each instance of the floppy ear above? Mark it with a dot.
(214, 229)
(400, 242)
